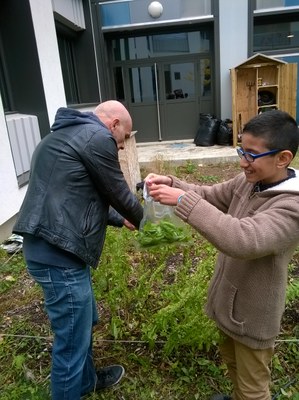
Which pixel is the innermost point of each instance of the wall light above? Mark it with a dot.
(155, 9)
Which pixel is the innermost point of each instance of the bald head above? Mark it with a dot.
(112, 109)
(117, 119)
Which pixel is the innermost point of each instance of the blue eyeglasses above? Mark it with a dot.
(251, 157)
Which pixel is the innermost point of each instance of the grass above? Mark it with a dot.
(152, 320)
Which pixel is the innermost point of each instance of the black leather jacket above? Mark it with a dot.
(75, 179)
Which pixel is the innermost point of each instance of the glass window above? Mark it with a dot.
(142, 84)
(275, 35)
(171, 43)
(119, 83)
(205, 77)
(179, 81)
(115, 14)
(127, 12)
(68, 69)
(135, 48)
(4, 88)
(264, 4)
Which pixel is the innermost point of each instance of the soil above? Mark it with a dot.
(209, 173)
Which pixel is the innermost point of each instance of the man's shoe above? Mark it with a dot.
(221, 397)
(109, 376)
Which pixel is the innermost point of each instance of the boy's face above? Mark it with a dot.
(264, 169)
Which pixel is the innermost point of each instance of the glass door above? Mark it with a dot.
(144, 101)
(179, 105)
(165, 98)
(160, 77)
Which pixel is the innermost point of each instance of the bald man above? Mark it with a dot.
(76, 189)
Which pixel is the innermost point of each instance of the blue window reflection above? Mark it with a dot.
(115, 14)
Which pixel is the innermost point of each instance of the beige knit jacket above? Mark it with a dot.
(256, 235)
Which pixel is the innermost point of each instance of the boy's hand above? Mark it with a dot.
(157, 179)
(165, 194)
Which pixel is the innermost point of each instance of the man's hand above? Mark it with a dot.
(128, 225)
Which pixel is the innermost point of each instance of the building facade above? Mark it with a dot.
(167, 61)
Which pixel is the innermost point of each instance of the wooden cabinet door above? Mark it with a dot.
(288, 88)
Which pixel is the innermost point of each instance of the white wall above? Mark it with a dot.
(70, 12)
(233, 34)
(47, 47)
(11, 196)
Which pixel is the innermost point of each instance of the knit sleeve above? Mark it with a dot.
(188, 202)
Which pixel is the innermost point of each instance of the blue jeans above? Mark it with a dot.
(70, 305)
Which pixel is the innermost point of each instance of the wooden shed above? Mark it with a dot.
(259, 84)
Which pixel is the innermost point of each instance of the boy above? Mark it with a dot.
(253, 220)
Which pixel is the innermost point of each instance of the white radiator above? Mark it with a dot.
(24, 135)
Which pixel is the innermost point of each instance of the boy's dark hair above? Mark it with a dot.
(277, 128)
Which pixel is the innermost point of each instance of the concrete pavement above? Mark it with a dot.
(181, 151)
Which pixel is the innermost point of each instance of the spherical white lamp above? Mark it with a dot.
(155, 9)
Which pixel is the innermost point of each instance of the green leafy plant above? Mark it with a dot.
(161, 232)
(292, 291)
(191, 167)
(208, 179)
(182, 320)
